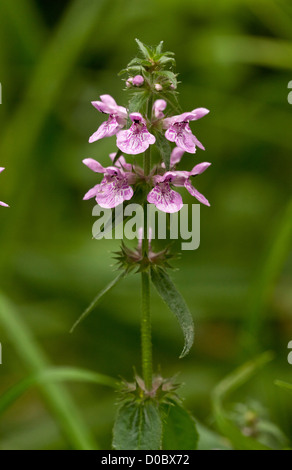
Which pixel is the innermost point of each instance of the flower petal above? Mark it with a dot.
(171, 134)
(134, 142)
(158, 108)
(185, 141)
(200, 168)
(194, 192)
(165, 198)
(197, 142)
(93, 165)
(106, 105)
(176, 156)
(137, 117)
(92, 192)
(199, 113)
(106, 129)
(121, 162)
(111, 194)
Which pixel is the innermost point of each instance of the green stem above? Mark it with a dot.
(146, 342)
(146, 331)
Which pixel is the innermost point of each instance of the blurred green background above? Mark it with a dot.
(234, 58)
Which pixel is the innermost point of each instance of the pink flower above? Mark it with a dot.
(3, 203)
(138, 80)
(117, 118)
(136, 139)
(168, 200)
(158, 108)
(115, 186)
(179, 131)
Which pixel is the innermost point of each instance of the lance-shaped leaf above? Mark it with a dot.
(137, 101)
(146, 50)
(158, 49)
(167, 74)
(98, 298)
(167, 290)
(138, 426)
(179, 427)
(54, 374)
(164, 148)
(284, 385)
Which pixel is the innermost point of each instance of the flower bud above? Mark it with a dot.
(138, 80)
(129, 82)
(158, 87)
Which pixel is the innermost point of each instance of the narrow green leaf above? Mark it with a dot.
(284, 385)
(169, 76)
(266, 278)
(135, 61)
(167, 290)
(132, 70)
(159, 48)
(98, 298)
(179, 428)
(138, 426)
(56, 374)
(223, 389)
(146, 51)
(167, 60)
(164, 148)
(137, 101)
(56, 396)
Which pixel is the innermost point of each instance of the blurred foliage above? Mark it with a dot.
(234, 58)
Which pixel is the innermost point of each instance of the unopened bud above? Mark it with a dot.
(158, 87)
(138, 80)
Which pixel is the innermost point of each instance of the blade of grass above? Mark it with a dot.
(265, 282)
(57, 60)
(284, 385)
(35, 361)
(26, 24)
(274, 53)
(56, 374)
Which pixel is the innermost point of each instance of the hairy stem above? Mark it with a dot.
(146, 331)
(146, 342)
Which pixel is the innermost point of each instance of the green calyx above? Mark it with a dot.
(134, 259)
(163, 390)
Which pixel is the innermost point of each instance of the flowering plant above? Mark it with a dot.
(150, 408)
